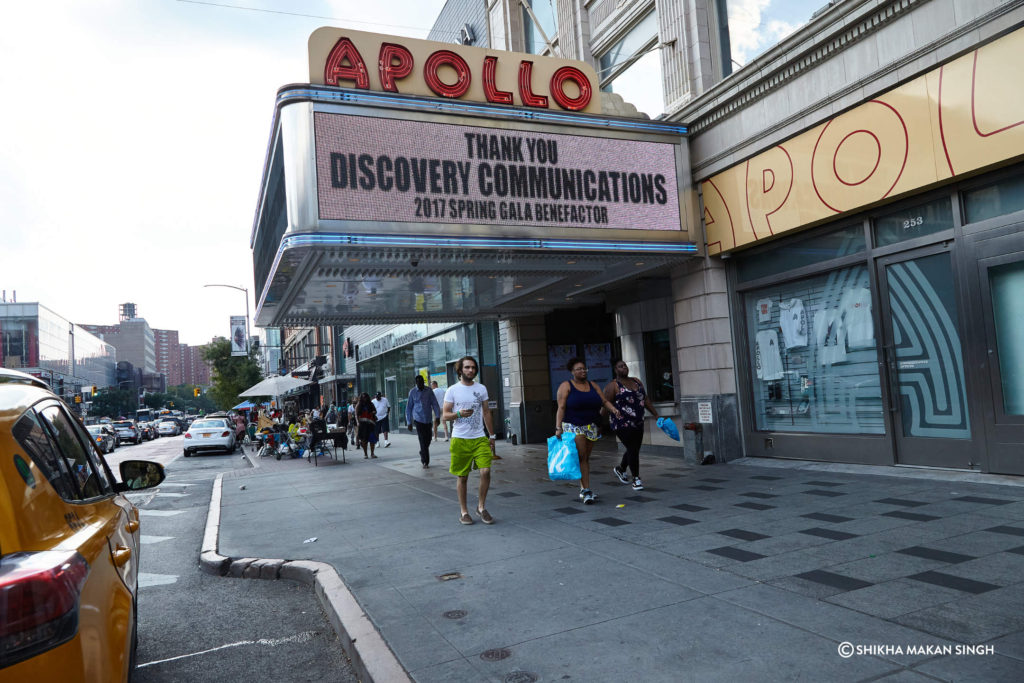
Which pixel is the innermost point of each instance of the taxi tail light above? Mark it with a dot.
(226, 434)
(38, 602)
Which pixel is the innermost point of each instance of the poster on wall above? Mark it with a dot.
(599, 363)
(558, 356)
(238, 336)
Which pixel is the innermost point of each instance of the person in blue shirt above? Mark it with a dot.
(420, 411)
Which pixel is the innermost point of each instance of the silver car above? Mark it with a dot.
(210, 434)
(168, 428)
(104, 438)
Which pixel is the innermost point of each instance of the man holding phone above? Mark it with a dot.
(465, 403)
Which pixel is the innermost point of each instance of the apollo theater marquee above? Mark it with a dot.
(415, 181)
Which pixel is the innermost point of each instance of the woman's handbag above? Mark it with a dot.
(563, 460)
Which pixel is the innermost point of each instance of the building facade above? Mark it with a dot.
(851, 177)
(168, 356)
(195, 370)
(134, 340)
(36, 340)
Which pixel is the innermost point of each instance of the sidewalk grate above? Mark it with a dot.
(496, 655)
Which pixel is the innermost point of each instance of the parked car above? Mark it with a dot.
(128, 431)
(210, 434)
(69, 544)
(168, 428)
(104, 437)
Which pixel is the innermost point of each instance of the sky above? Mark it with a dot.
(134, 135)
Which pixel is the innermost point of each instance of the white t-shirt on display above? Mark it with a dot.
(793, 320)
(463, 397)
(764, 310)
(767, 360)
(831, 333)
(856, 308)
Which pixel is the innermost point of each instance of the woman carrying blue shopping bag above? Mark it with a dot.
(579, 413)
(628, 395)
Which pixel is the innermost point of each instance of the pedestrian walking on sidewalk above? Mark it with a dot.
(465, 403)
(421, 407)
(579, 412)
(383, 414)
(629, 396)
(367, 416)
(353, 421)
(439, 394)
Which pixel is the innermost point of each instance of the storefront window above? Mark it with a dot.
(1006, 196)
(916, 221)
(632, 68)
(812, 347)
(803, 253)
(658, 358)
(1007, 287)
(544, 11)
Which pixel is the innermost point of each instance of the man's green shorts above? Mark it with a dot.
(466, 452)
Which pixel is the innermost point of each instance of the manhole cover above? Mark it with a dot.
(455, 614)
(496, 655)
(450, 576)
(520, 677)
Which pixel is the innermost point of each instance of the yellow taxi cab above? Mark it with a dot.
(69, 544)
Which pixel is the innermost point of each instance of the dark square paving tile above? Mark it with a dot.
(823, 493)
(735, 554)
(986, 501)
(680, 521)
(828, 533)
(612, 521)
(707, 488)
(915, 516)
(552, 493)
(641, 499)
(755, 494)
(569, 511)
(713, 481)
(957, 582)
(1011, 530)
(743, 535)
(823, 483)
(823, 517)
(1018, 550)
(755, 506)
(834, 580)
(765, 477)
(509, 494)
(687, 508)
(934, 554)
(901, 502)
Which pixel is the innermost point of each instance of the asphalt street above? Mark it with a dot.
(194, 626)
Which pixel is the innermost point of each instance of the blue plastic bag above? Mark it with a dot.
(669, 427)
(563, 460)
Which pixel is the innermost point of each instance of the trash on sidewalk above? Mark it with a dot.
(311, 539)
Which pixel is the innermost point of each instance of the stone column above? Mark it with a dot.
(531, 409)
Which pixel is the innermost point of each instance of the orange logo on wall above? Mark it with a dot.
(960, 117)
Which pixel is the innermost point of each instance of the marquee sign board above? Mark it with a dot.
(370, 61)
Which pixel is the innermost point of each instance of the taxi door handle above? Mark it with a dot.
(122, 555)
(131, 527)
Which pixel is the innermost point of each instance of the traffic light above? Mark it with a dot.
(196, 391)
(78, 399)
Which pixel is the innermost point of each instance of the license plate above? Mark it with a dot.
(207, 436)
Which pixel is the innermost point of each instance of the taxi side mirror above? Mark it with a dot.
(140, 474)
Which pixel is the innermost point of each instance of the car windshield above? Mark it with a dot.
(123, 424)
(95, 429)
(215, 424)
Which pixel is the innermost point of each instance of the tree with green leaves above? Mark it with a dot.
(110, 402)
(231, 374)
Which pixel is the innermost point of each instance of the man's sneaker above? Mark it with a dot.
(386, 444)
(587, 496)
(638, 485)
(621, 475)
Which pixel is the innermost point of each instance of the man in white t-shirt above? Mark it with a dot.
(383, 408)
(465, 403)
(439, 395)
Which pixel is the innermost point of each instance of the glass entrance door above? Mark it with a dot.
(1001, 280)
(925, 360)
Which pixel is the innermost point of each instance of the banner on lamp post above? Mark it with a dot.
(238, 336)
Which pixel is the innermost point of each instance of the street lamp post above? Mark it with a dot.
(241, 289)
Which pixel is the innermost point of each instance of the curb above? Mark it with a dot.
(371, 657)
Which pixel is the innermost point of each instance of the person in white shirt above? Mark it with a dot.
(439, 395)
(383, 407)
(465, 403)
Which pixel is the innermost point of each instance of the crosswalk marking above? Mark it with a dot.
(160, 513)
(154, 539)
(146, 579)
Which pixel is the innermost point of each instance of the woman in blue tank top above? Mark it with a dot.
(579, 412)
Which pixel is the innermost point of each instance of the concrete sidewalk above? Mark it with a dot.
(759, 569)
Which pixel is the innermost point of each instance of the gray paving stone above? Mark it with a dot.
(994, 667)
(963, 621)
(893, 598)
(886, 567)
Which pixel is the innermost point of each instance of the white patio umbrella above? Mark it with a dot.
(274, 386)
